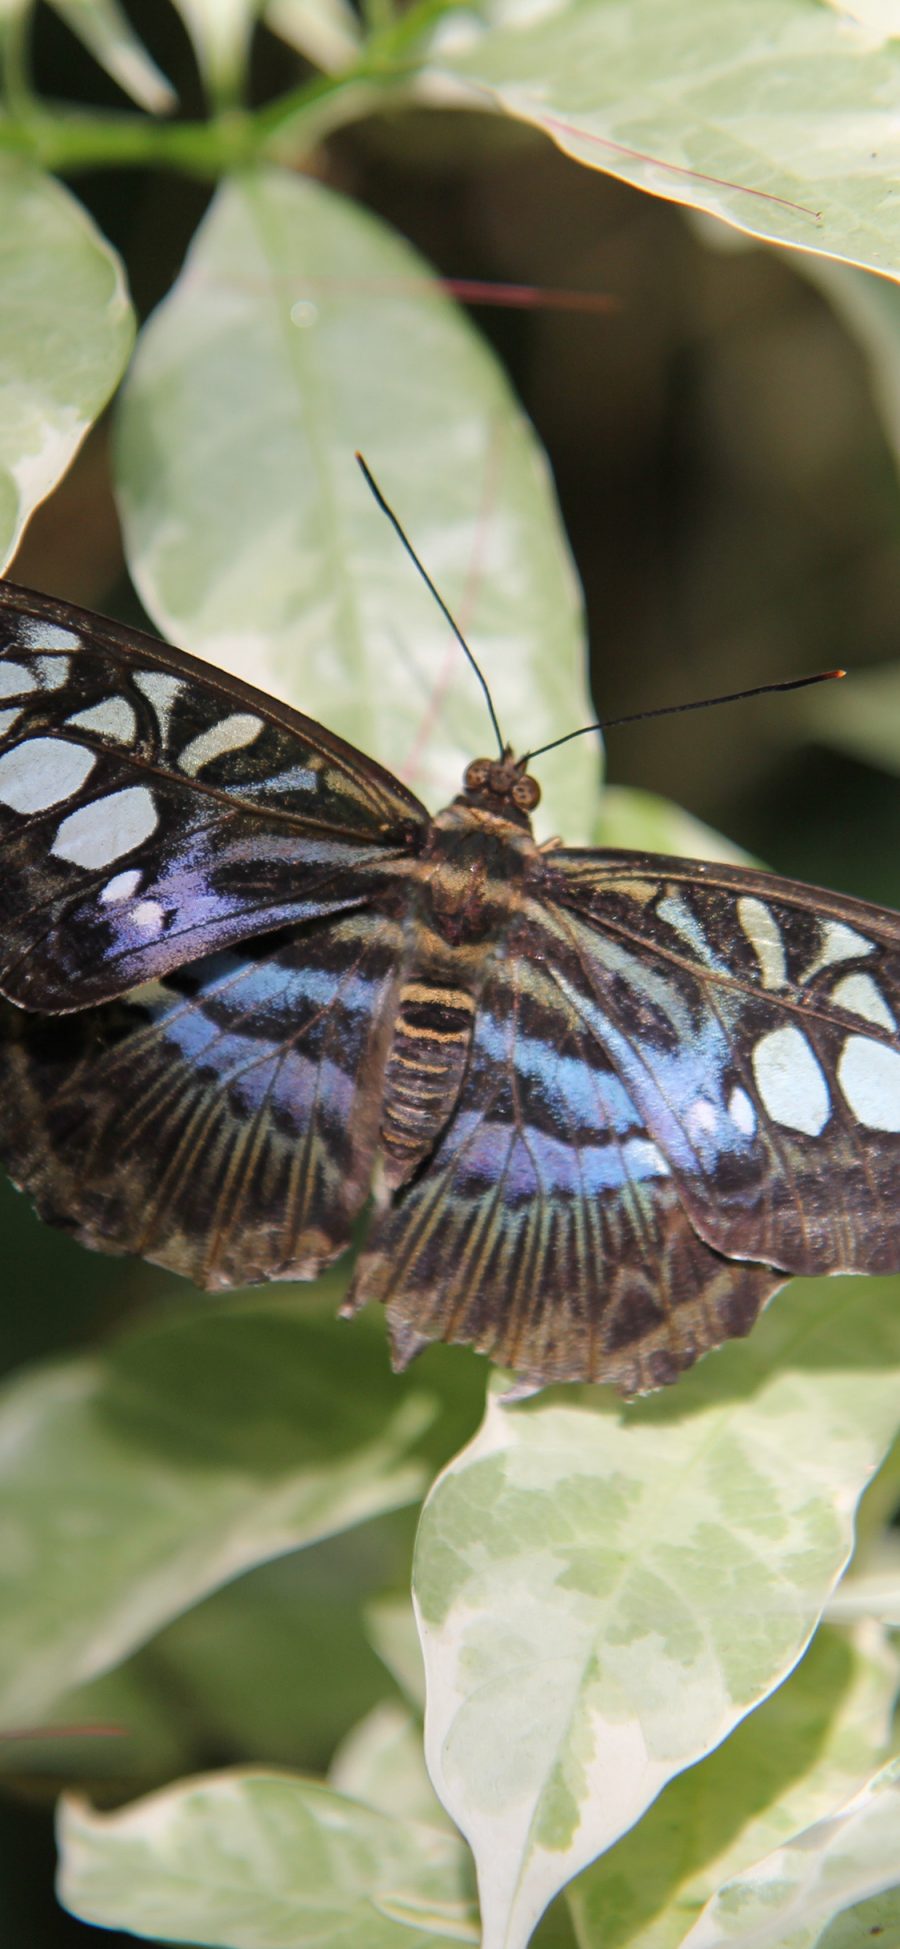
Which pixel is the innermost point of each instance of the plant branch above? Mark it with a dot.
(64, 140)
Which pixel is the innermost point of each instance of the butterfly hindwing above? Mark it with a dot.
(547, 1229)
(153, 810)
(221, 1122)
(755, 1021)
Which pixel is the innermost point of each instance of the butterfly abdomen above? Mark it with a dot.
(470, 883)
(425, 1070)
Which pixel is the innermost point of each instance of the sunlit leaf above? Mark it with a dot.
(302, 328)
(776, 115)
(135, 1482)
(793, 1761)
(264, 1861)
(788, 1899)
(605, 1591)
(65, 334)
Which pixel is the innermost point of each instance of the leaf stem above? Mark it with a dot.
(64, 139)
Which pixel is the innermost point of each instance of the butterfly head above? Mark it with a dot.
(502, 786)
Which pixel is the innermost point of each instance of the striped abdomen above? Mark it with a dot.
(424, 1072)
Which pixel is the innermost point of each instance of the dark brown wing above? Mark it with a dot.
(755, 1023)
(684, 1086)
(221, 1122)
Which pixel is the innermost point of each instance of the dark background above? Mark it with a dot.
(731, 501)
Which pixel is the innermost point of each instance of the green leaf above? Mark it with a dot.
(134, 1483)
(264, 1861)
(605, 1591)
(793, 1761)
(787, 1900)
(65, 334)
(776, 115)
(300, 329)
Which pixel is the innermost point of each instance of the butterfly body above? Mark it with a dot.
(607, 1102)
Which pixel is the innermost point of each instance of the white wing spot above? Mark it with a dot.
(839, 943)
(764, 934)
(702, 1118)
(149, 915)
(791, 1081)
(645, 1158)
(122, 886)
(15, 680)
(162, 692)
(863, 995)
(230, 734)
(52, 671)
(40, 772)
(98, 833)
(46, 636)
(869, 1075)
(675, 910)
(7, 720)
(114, 718)
(741, 1112)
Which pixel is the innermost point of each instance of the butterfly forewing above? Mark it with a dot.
(152, 810)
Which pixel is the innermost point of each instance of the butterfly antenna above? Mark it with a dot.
(671, 710)
(426, 578)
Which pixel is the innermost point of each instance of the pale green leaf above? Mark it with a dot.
(381, 1762)
(869, 308)
(863, 716)
(264, 1861)
(221, 31)
(108, 34)
(391, 1628)
(865, 720)
(275, 1663)
(793, 1761)
(872, 1590)
(135, 1482)
(300, 329)
(326, 31)
(776, 115)
(605, 1591)
(648, 823)
(65, 334)
(787, 1900)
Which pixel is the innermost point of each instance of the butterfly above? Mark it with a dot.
(606, 1102)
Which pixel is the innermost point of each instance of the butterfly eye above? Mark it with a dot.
(478, 774)
(526, 793)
